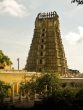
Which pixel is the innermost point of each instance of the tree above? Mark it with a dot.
(4, 60)
(48, 83)
(3, 90)
(28, 88)
(45, 85)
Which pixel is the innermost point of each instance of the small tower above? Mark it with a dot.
(46, 52)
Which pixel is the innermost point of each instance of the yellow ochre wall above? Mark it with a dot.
(15, 78)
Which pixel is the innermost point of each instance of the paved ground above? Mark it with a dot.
(19, 104)
(24, 104)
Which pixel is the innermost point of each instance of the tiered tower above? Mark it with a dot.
(46, 51)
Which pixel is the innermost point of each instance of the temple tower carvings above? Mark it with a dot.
(46, 51)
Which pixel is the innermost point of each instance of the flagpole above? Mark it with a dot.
(18, 63)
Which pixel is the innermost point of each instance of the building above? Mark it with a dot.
(46, 52)
(46, 55)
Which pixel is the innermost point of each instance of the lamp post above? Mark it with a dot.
(18, 63)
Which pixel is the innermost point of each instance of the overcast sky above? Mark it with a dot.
(17, 19)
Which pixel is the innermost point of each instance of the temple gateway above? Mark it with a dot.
(46, 52)
(46, 55)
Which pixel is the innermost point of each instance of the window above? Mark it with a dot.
(41, 54)
(42, 47)
(42, 40)
(43, 30)
(43, 34)
(41, 61)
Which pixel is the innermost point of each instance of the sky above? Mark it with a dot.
(17, 19)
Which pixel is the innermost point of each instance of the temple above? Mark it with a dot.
(46, 51)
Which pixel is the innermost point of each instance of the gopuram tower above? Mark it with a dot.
(46, 52)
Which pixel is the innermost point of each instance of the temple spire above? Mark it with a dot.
(46, 51)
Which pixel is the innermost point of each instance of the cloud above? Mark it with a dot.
(74, 37)
(12, 7)
(20, 8)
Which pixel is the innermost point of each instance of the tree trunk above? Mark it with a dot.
(20, 95)
(27, 96)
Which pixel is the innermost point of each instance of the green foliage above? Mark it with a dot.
(3, 90)
(48, 82)
(27, 86)
(63, 99)
(69, 93)
(79, 94)
(4, 60)
(57, 97)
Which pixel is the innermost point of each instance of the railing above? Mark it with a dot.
(31, 73)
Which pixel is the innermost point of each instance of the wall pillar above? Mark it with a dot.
(17, 89)
(12, 93)
(20, 95)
